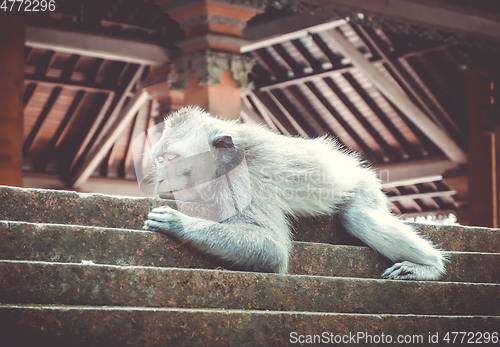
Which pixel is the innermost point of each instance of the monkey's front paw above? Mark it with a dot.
(164, 219)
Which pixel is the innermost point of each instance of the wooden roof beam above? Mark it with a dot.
(96, 46)
(367, 151)
(67, 85)
(294, 117)
(101, 148)
(397, 70)
(248, 113)
(118, 121)
(308, 78)
(277, 113)
(421, 196)
(291, 36)
(265, 107)
(414, 172)
(446, 15)
(399, 98)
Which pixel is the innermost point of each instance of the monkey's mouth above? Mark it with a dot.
(167, 195)
(185, 195)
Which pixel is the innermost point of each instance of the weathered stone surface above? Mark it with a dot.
(127, 326)
(460, 238)
(473, 267)
(322, 229)
(74, 244)
(102, 285)
(63, 207)
(141, 300)
(318, 259)
(447, 237)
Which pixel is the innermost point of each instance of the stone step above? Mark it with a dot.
(64, 207)
(29, 282)
(67, 207)
(58, 325)
(448, 237)
(74, 244)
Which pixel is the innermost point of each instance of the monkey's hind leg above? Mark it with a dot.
(416, 258)
(252, 246)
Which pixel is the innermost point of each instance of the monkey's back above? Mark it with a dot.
(300, 176)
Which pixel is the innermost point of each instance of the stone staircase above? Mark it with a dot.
(77, 270)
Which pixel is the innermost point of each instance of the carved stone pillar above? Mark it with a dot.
(211, 69)
(212, 80)
(12, 39)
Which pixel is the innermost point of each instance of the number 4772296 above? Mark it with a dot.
(28, 5)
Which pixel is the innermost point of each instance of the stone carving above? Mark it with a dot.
(209, 66)
(213, 18)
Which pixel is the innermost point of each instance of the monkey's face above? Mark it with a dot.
(188, 159)
(197, 160)
(184, 163)
(183, 177)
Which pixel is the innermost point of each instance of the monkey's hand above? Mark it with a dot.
(165, 219)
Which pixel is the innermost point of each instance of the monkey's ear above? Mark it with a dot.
(223, 141)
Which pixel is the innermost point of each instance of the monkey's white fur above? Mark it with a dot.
(279, 178)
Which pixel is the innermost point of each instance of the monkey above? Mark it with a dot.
(255, 182)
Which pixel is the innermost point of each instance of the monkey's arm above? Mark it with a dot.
(242, 243)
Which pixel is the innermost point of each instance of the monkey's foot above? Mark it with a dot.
(164, 219)
(407, 270)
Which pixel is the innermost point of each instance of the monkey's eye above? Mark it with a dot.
(166, 156)
(170, 157)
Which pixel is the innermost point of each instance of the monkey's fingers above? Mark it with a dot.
(407, 270)
(397, 271)
(162, 227)
(152, 225)
(157, 217)
(162, 216)
(164, 208)
(166, 221)
(163, 213)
